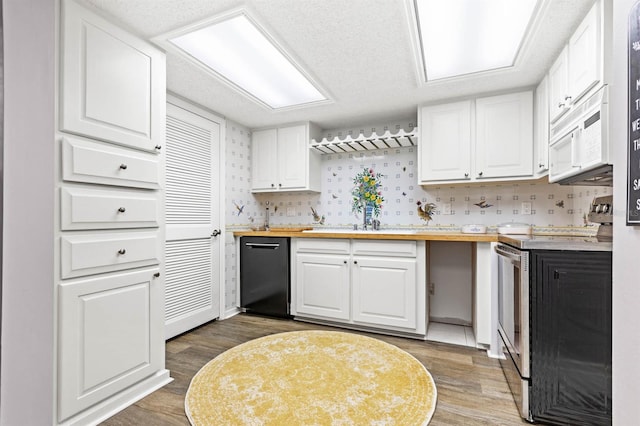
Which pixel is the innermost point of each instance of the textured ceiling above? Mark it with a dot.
(358, 50)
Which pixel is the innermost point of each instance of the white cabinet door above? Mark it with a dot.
(384, 291)
(112, 83)
(110, 336)
(504, 136)
(322, 286)
(541, 128)
(559, 101)
(444, 151)
(584, 55)
(293, 162)
(264, 160)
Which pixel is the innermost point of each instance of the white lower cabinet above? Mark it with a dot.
(323, 285)
(384, 291)
(370, 283)
(110, 336)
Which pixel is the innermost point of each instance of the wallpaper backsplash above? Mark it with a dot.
(552, 206)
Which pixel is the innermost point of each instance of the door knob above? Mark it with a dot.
(216, 232)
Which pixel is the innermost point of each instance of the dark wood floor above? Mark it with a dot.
(471, 387)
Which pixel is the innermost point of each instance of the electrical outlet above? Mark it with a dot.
(291, 211)
(526, 207)
(446, 208)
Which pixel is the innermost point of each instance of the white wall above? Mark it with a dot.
(26, 391)
(626, 241)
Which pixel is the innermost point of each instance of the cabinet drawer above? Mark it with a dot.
(329, 246)
(89, 208)
(95, 162)
(395, 248)
(88, 254)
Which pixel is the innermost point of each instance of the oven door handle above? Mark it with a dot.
(515, 258)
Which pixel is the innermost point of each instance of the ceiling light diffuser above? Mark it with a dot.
(241, 53)
(459, 37)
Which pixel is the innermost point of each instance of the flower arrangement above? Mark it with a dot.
(366, 192)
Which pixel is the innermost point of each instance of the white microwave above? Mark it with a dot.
(579, 151)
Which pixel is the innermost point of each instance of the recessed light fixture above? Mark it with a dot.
(238, 51)
(458, 37)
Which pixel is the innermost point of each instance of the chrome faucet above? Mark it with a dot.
(266, 221)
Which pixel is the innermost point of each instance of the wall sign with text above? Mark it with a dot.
(633, 157)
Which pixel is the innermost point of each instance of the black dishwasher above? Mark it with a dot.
(264, 275)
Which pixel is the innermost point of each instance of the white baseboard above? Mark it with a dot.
(111, 406)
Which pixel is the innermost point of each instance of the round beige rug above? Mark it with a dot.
(312, 378)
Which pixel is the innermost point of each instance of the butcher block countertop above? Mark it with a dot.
(372, 235)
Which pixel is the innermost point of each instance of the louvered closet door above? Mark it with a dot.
(192, 197)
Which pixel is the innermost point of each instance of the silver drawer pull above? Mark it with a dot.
(122, 251)
(123, 166)
(122, 210)
(156, 275)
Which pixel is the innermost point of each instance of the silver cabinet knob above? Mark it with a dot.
(122, 210)
(561, 104)
(123, 166)
(355, 262)
(540, 165)
(156, 275)
(216, 232)
(480, 174)
(158, 147)
(466, 175)
(272, 185)
(122, 251)
(567, 98)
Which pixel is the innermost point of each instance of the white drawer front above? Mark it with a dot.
(384, 248)
(89, 208)
(96, 162)
(317, 245)
(97, 253)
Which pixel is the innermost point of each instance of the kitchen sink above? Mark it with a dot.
(360, 231)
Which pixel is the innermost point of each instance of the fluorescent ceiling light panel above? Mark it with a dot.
(237, 50)
(466, 36)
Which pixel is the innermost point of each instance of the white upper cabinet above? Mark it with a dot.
(489, 139)
(112, 83)
(444, 151)
(585, 55)
(559, 86)
(504, 136)
(282, 161)
(579, 67)
(541, 128)
(264, 155)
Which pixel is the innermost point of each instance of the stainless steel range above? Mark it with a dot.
(539, 281)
